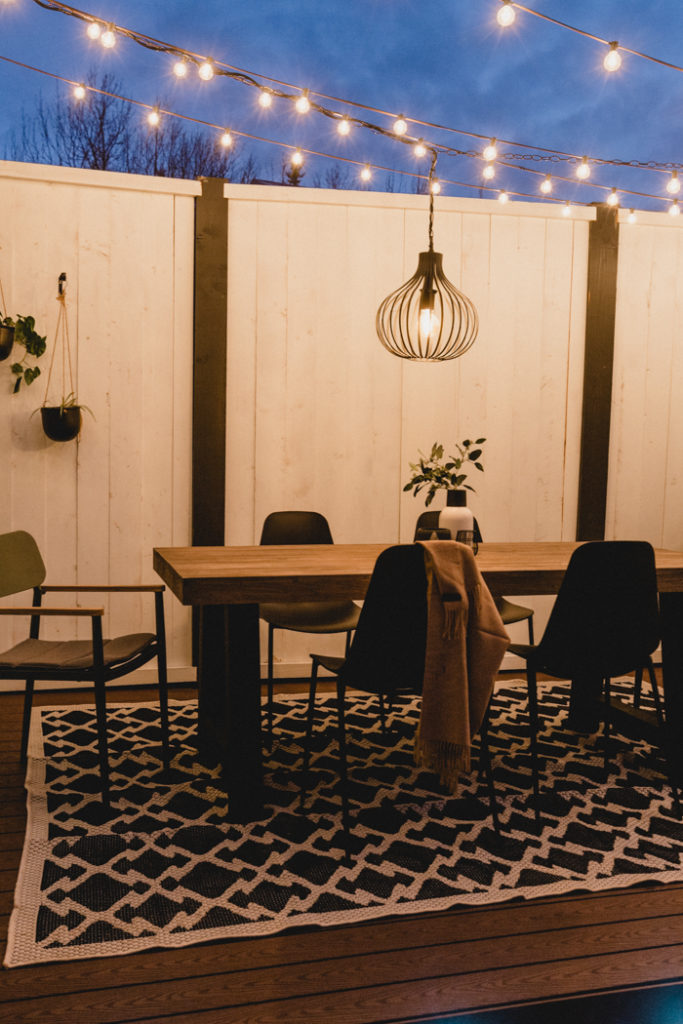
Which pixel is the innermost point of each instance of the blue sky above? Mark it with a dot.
(442, 61)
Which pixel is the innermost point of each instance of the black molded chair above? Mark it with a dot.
(604, 623)
(387, 653)
(508, 611)
(96, 660)
(302, 616)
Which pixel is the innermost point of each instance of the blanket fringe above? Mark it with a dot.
(446, 759)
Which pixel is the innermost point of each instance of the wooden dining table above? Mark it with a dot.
(227, 584)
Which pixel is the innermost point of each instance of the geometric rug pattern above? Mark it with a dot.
(167, 868)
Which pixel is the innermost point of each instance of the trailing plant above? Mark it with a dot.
(70, 402)
(25, 334)
(444, 472)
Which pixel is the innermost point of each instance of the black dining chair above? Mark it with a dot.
(604, 623)
(96, 660)
(428, 523)
(386, 656)
(301, 616)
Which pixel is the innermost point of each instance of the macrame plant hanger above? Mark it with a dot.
(62, 422)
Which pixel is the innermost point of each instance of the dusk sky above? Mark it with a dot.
(442, 61)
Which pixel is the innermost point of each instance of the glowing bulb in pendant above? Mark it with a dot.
(265, 98)
(400, 125)
(547, 185)
(303, 104)
(206, 71)
(583, 170)
(429, 324)
(94, 30)
(108, 37)
(506, 14)
(612, 61)
(673, 185)
(490, 151)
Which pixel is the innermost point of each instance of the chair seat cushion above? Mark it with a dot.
(75, 654)
(312, 616)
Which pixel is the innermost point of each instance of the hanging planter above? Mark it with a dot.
(6, 339)
(19, 330)
(63, 421)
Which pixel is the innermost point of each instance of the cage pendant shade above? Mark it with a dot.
(427, 318)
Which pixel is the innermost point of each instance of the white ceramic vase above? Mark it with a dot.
(457, 518)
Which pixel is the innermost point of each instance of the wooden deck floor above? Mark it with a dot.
(439, 967)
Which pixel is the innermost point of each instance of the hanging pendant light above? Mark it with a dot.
(427, 318)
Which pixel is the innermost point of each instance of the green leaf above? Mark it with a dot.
(17, 368)
(473, 456)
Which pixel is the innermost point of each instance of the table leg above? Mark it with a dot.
(229, 706)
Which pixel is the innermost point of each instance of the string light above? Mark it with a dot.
(400, 125)
(297, 158)
(226, 139)
(612, 61)
(265, 98)
(94, 30)
(79, 91)
(613, 198)
(108, 38)
(506, 14)
(489, 172)
(503, 196)
(490, 151)
(631, 217)
(153, 118)
(673, 185)
(419, 149)
(303, 104)
(566, 209)
(180, 69)
(366, 173)
(547, 185)
(583, 169)
(206, 71)
(435, 187)
(674, 209)
(344, 126)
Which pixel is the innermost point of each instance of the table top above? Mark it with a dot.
(313, 572)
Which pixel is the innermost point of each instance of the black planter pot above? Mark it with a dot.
(6, 341)
(61, 424)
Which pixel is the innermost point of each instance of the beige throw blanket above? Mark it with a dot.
(466, 641)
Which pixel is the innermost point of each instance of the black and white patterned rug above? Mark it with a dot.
(168, 869)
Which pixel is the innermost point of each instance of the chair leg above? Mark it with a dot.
(485, 755)
(655, 691)
(607, 729)
(309, 731)
(637, 687)
(28, 703)
(101, 714)
(530, 622)
(343, 772)
(163, 682)
(532, 697)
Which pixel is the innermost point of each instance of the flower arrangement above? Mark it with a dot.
(444, 472)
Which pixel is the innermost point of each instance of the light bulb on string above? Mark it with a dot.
(503, 196)
(206, 71)
(108, 38)
(226, 139)
(153, 118)
(631, 217)
(547, 185)
(180, 69)
(674, 209)
(613, 198)
(612, 61)
(566, 209)
(297, 158)
(94, 30)
(673, 185)
(79, 91)
(583, 169)
(489, 171)
(265, 98)
(435, 187)
(344, 126)
(506, 14)
(400, 125)
(490, 151)
(419, 149)
(366, 173)
(303, 104)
